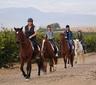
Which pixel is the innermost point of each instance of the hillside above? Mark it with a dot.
(18, 17)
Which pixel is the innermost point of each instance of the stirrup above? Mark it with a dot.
(38, 48)
(56, 54)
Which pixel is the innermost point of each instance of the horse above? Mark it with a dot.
(27, 53)
(47, 51)
(79, 52)
(65, 51)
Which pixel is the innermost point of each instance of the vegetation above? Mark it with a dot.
(9, 48)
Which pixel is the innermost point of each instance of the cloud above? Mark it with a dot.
(66, 6)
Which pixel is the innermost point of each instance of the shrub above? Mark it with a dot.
(9, 49)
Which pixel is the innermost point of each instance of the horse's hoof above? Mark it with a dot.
(25, 76)
(27, 79)
(65, 67)
(45, 73)
(54, 70)
(72, 66)
(75, 62)
(38, 74)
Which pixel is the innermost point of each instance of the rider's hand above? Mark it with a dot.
(30, 37)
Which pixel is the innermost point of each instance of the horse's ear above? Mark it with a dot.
(14, 28)
(22, 28)
(46, 36)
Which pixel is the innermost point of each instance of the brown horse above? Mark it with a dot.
(27, 53)
(48, 54)
(66, 53)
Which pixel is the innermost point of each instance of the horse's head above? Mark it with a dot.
(45, 39)
(62, 36)
(19, 34)
(77, 43)
(43, 46)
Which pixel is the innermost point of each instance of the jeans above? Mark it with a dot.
(70, 43)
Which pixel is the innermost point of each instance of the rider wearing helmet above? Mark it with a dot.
(31, 33)
(80, 36)
(69, 35)
(50, 37)
(81, 39)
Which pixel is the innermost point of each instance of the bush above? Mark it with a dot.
(90, 41)
(9, 49)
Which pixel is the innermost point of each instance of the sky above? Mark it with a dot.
(65, 6)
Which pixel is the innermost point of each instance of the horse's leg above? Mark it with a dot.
(83, 57)
(51, 64)
(65, 61)
(71, 58)
(28, 69)
(39, 66)
(76, 59)
(55, 63)
(45, 66)
(68, 60)
(21, 68)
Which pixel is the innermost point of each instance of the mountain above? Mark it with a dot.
(18, 17)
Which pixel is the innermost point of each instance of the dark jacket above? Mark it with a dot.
(80, 36)
(69, 35)
(30, 32)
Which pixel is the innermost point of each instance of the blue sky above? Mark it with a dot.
(66, 6)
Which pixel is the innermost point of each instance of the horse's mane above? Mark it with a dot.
(25, 42)
(62, 39)
(63, 43)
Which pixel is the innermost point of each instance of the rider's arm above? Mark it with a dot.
(33, 35)
(72, 35)
(26, 32)
(52, 35)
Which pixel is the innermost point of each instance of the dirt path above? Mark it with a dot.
(78, 75)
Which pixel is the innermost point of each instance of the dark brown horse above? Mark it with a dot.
(66, 53)
(48, 54)
(27, 53)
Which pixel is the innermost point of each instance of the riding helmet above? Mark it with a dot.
(67, 26)
(30, 20)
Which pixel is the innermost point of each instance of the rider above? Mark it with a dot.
(80, 36)
(69, 35)
(31, 33)
(81, 39)
(50, 37)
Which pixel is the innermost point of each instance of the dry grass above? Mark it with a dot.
(84, 29)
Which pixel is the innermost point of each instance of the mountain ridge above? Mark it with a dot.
(18, 16)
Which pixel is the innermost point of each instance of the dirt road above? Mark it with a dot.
(82, 74)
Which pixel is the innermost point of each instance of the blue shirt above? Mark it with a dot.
(49, 35)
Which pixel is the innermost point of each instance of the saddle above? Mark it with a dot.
(55, 48)
(35, 47)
